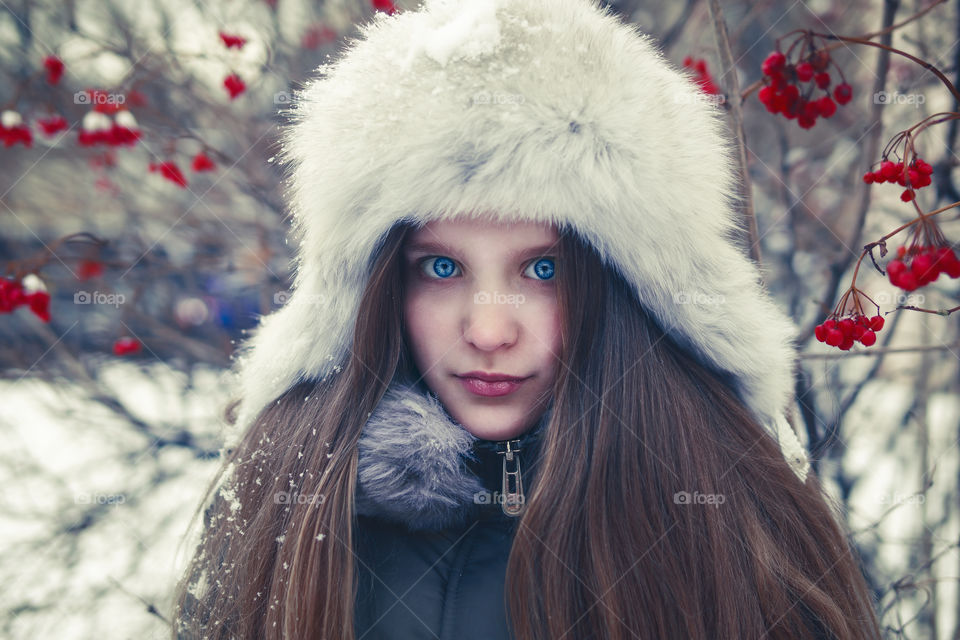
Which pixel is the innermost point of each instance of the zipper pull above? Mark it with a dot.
(512, 499)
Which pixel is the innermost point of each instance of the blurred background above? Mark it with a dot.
(143, 233)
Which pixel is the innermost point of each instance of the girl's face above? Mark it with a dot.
(481, 298)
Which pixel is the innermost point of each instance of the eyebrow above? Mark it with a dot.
(436, 247)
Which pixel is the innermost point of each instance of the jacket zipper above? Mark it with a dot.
(512, 499)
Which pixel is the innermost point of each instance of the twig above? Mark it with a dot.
(874, 352)
(730, 69)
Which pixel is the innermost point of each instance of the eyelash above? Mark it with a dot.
(420, 264)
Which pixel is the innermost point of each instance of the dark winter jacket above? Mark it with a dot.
(440, 575)
(432, 539)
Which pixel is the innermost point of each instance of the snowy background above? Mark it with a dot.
(105, 457)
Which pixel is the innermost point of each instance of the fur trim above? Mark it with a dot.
(540, 110)
(413, 464)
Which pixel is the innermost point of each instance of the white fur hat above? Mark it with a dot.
(540, 110)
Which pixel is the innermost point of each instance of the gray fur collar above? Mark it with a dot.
(419, 467)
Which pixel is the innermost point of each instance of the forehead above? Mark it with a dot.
(467, 232)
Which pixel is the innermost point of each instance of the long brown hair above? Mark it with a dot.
(661, 508)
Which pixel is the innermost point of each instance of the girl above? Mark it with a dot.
(527, 385)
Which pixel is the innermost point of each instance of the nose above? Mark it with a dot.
(489, 324)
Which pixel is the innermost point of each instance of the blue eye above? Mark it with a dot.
(543, 268)
(442, 267)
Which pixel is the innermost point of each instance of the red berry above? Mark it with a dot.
(822, 79)
(876, 323)
(868, 177)
(234, 85)
(231, 41)
(170, 171)
(820, 333)
(804, 71)
(923, 266)
(843, 93)
(39, 303)
(889, 170)
(125, 345)
(834, 337)
(895, 268)
(908, 281)
(846, 326)
(774, 62)
(202, 162)
(951, 265)
(89, 269)
(54, 67)
(847, 343)
(907, 195)
(858, 330)
(941, 258)
(868, 338)
(777, 80)
(826, 106)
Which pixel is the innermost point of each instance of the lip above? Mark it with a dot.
(490, 377)
(490, 385)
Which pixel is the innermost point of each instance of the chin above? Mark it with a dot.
(495, 433)
(491, 424)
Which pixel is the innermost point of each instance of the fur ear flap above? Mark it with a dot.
(413, 463)
(790, 445)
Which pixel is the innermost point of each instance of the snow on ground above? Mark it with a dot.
(92, 514)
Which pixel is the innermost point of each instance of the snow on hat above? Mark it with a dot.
(551, 111)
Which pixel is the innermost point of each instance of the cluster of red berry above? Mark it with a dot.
(30, 292)
(98, 128)
(781, 95)
(13, 130)
(918, 173)
(922, 265)
(843, 333)
(13, 294)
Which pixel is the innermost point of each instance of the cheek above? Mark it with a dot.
(543, 323)
(426, 324)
